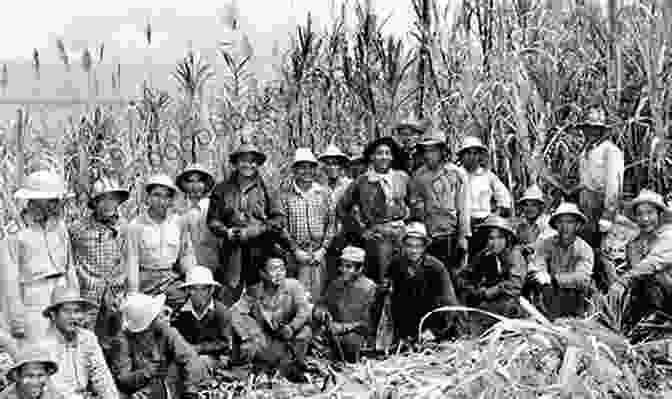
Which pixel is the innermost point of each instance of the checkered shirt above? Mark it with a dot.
(310, 218)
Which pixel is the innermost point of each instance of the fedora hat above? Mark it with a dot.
(533, 193)
(471, 142)
(140, 310)
(353, 254)
(596, 117)
(567, 208)
(333, 152)
(497, 222)
(304, 154)
(63, 295)
(247, 148)
(32, 353)
(200, 275)
(197, 169)
(160, 180)
(416, 230)
(43, 184)
(647, 197)
(105, 185)
(434, 136)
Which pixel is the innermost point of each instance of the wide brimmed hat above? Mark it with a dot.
(140, 310)
(397, 152)
(647, 197)
(32, 353)
(596, 117)
(160, 180)
(197, 169)
(42, 184)
(533, 193)
(304, 154)
(105, 185)
(434, 136)
(413, 123)
(353, 254)
(63, 295)
(471, 142)
(416, 230)
(497, 222)
(333, 152)
(567, 208)
(200, 275)
(248, 148)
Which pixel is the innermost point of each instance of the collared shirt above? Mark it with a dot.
(572, 266)
(189, 307)
(342, 184)
(530, 233)
(602, 169)
(157, 246)
(81, 366)
(205, 243)
(650, 255)
(484, 187)
(49, 393)
(310, 219)
(351, 301)
(211, 331)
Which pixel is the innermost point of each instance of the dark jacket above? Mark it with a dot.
(212, 333)
(351, 303)
(492, 278)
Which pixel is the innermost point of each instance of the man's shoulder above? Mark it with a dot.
(365, 284)
(434, 264)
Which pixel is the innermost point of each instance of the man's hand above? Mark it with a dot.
(302, 256)
(542, 278)
(318, 256)
(286, 332)
(427, 336)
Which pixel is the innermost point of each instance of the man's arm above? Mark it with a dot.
(303, 308)
(192, 370)
(187, 256)
(583, 269)
(330, 225)
(133, 257)
(512, 286)
(215, 216)
(416, 198)
(463, 205)
(614, 183)
(121, 364)
(658, 259)
(101, 378)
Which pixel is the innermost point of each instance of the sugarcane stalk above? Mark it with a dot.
(20, 130)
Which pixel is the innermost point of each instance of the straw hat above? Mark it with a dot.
(333, 152)
(42, 184)
(247, 148)
(471, 142)
(434, 136)
(416, 230)
(140, 310)
(596, 117)
(304, 154)
(533, 193)
(567, 208)
(647, 197)
(32, 353)
(397, 153)
(353, 254)
(63, 295)
(197, 169)
(105, 185)
(160, 180)
(200, 275)
(497, 222)
(413, 123)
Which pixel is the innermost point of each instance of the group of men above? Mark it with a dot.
(244, 276)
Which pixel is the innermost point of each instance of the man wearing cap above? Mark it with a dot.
(196, 183)
(310, 223)
(649, 257)
(147, 347)
(31, 375)
(82, 371)
(37, 258)
(419, 283)
(247, 215)
(203, 321)
(159, 248)
(562, 266)
(408, 133)
(346, 309)
(439, 196)
(98, 247)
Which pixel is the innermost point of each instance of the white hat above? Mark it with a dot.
(417, 230)
(160, 180)
(533, 193)
(333, 151)
(647, 197)
(471, 142)
(32, 353)
(304, 154)
(200, 275)
(42, 184)
(105, 185)
(140, 310)
(434, 136)
(567, 208)
(353, 254)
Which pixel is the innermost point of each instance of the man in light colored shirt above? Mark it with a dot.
(82, 370)
(160, 251)
(31, 375)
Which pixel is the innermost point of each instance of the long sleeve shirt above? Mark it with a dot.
(82, 369)
(501, 275)
(157, 246)
(572, 266)
(351, 302)
(210, 331)
(602, 169)
(441, 199)
(485, 188)
(310, 219)
(204, 242)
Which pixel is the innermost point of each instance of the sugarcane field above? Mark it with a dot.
(337, 199)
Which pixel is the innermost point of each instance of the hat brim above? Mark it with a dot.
(531, 199)
(592, 124)
(480, 147)
(122, 196)
(261, 158)
(340, 158)
(420, 236)
(483, 227)
(207, 283)
(632, 205)
(306, 161)
(88, 305)
(552, 221)
(151, 186)
(50, 365)
(156, 307)
(180, 180)
(411, 126)
(430, 143)
(26, 194)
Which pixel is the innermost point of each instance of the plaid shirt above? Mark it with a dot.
(310, 218)
(98, 253)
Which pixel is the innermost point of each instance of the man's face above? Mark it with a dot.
(349, 270)
(200, 295)
(106, 206)
(31, 380)
(647, 217)
(382, 158)
(531, 209)
(195, 185)
(274, 271)
(471, 158)
(67, 318)
(496, 242)
(304, 172)
(433, 156)
(567, 227)
(247, 165)
(161, 199)
(332, 168)
(414, 248)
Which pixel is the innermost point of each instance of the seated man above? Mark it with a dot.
(562, 267)
(147, 347)
(271, 323)
(494, 278)
(419, 283)
(203, 321)
(345, 310)
(82, 369)
(31, 375)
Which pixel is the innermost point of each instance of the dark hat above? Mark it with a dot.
(397, 152)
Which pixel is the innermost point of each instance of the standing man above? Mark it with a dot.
(159, 248)
(408, 132)
(310, 223)
(37, 258)
(357, 164)
(439, 196)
